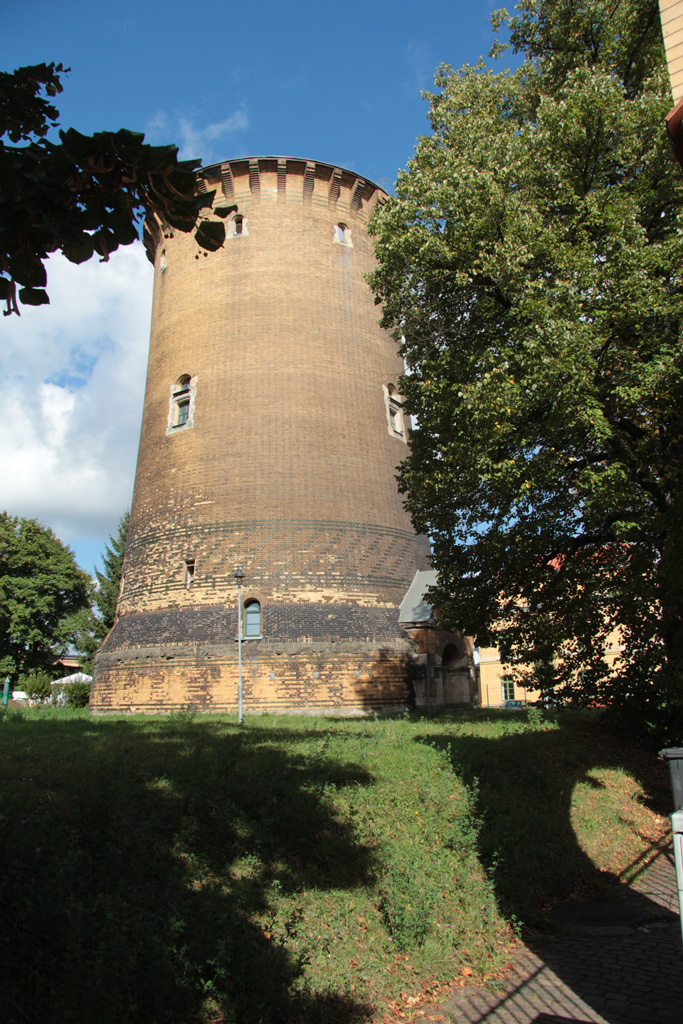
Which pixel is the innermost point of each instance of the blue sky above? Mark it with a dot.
(340, 83)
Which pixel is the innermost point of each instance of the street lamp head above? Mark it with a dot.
(239, 575)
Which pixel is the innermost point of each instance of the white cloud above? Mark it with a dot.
(73, 378)
(421, 68)
(193, 141)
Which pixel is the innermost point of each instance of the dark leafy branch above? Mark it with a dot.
(84, 195)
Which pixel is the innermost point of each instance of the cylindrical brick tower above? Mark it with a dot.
(271, 432)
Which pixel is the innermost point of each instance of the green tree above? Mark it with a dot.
(85, 195)
(109, 581)
(530, 264)
(42, 591)
(95, 622)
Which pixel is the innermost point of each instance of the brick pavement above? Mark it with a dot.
(632, 976)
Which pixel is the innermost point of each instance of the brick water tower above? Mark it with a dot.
(271, 432)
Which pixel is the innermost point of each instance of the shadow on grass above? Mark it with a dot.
(522, 784)
(137, 866)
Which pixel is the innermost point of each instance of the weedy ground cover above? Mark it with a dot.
(178, 869)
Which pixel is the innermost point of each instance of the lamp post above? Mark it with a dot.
(239, 576)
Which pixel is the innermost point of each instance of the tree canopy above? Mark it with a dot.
(42, 590)
(86, 194)
(530, 266)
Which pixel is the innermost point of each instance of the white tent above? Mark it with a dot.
(77, 677)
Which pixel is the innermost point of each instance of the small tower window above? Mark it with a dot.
(188, 576)
(342, 235)
(252, 619)
(237, 227)
(393, 404)
(181, 404)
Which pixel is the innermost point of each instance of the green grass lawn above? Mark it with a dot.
(177, 869)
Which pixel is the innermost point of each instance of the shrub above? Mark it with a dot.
(71, 695)
(36, 685)
(77, 695)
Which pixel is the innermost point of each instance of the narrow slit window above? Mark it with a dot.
(252, 619)
(189, 571)
(239, 225)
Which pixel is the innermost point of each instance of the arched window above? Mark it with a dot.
(237, 226)
(252, 619)
(181, 404)
(342, 235)
(394, 409)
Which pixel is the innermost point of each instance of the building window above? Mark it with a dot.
(188, 575)
(342, 235)
(183, 413)
(394, 420)
(507, 688)
(237, 227)
(252, 619)
(181, 404)
(393, 404)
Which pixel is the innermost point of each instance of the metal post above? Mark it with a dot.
(677, 826)
(239, 654)
(5, 691)
(239, 576)
(674, 758)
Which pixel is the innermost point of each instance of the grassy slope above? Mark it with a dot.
(178, 869)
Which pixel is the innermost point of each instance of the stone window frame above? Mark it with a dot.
(232, 231)
(396, 419)
(342, 235)
(183, 396)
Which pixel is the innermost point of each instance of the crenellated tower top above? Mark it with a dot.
(246, 181)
